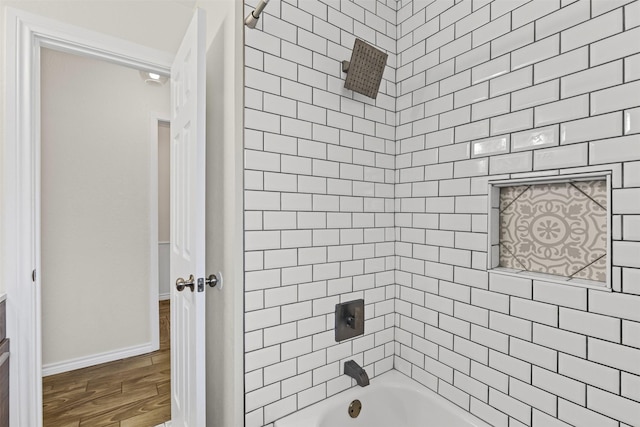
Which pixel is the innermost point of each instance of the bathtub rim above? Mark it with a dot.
(392, 377)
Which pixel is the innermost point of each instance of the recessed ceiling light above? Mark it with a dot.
(153, 78)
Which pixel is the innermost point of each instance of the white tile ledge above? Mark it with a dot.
(579, 283)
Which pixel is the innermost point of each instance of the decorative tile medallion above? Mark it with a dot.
(558, 228)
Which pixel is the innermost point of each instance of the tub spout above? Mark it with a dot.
(354, 370)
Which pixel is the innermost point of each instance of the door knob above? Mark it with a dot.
(181, 283)
(212, 280)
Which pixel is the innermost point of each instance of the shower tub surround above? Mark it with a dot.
(475, 91)
(503, 90)
(319, 202)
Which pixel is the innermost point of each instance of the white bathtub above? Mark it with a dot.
(391, 400)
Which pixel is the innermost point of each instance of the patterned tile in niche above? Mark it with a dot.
(558, 228)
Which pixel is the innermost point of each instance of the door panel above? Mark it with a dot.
(188, 386)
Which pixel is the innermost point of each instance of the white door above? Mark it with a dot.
(188, 379)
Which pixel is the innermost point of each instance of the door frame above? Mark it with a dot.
(25, 34)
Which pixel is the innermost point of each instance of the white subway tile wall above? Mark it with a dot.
(319, 200)
(541, 354)
(348, 197)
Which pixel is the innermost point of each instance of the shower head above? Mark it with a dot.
(364, 71)
(252, 18)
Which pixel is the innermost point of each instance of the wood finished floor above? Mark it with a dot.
(133, 392)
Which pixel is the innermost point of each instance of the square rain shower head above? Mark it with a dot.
(364, 71)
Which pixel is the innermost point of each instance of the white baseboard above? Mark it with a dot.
(163, 297)
(96, 359)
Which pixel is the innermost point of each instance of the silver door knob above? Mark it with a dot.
(212, 280)
(181, 283)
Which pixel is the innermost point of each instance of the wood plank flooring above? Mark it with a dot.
(133, 392)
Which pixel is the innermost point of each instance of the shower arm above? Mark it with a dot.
(256, 13)
(252, 18)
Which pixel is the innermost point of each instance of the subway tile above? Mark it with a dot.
(490, 108)
(512, 407)
(631, 121)
(626, 201)
(486, 412)
(535, 354)
(472, 21)
(615, 98)
(566, 342)
(591, 324)
(593, 30)
(543, 419)
(560, 385)
(533, 396)
(455, 48)
(490, 69)
(534, 311)
(630, 386)
(511, 163)
(511, 285)
(487, 375)
(593, 79)
(588, 372)
(535, 53)
(492, 30)
(601, 6)
(471, 131)
(611, 150)
(317, 161)
(592, 128)
(512, 40)
(561, 65)
(632, 15)
(500, 7)
(472, 58)
(455, 83)
(490, 146)
(612, 405)
(566, 17)
(632, 68)
(631, 333)
(565, 110)
(538, 138)
(618, 46)
(470, 95)
(510, 325)
(578, 415)
(535, 95)
(511, 81)
(561, 157)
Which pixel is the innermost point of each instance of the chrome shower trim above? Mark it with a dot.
(252, 18)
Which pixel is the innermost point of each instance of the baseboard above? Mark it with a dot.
(163, 297)
(96, 359)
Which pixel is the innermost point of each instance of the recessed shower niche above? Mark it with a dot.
(557, 228)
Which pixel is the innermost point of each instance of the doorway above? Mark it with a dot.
(26, 34)
(102, 142)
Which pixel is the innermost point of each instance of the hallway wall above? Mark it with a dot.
(516, 351)
(95, 205)
(319, 202)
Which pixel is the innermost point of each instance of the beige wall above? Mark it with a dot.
(158, 24)
(96, 236)
(225, 59)
(164, 151)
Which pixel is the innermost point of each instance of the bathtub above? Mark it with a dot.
(392, 400)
